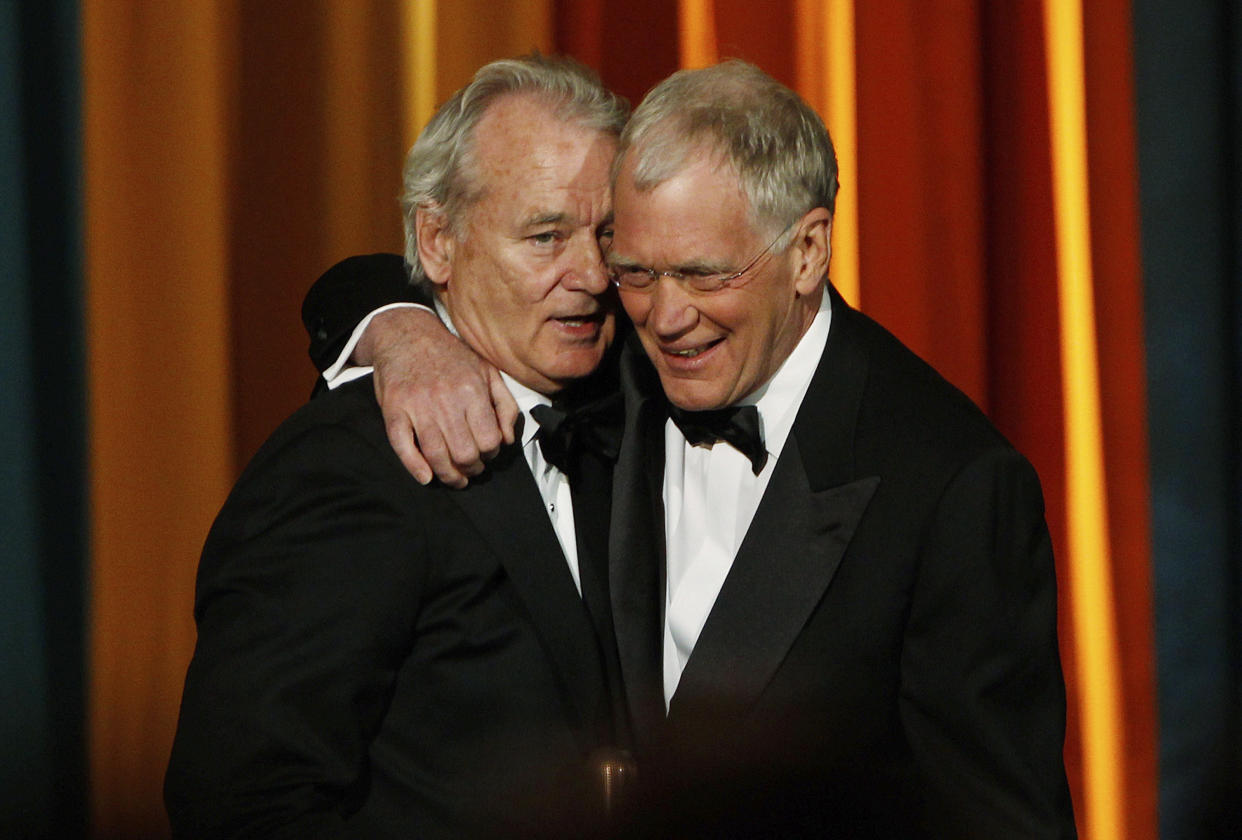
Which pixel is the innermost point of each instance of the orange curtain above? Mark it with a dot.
(235, 150)
(1112, 166)
(157, 226)
(232, 152)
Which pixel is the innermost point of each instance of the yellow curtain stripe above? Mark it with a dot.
(839, 60)
(1086, 508)
(419, 67)
(697, 33)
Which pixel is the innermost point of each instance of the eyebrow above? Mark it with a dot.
(614, 259)
(696, 267)
(541, 219)
(703, 267)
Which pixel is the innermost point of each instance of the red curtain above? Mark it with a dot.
(233, 153)
(957, 250)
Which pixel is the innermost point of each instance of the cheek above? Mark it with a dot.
(609, 330)
(637, 306)
(749, 317)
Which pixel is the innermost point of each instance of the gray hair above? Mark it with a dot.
(439, 171)
(776, 143)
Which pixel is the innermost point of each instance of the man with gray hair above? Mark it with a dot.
(832, 584)
(378, 658)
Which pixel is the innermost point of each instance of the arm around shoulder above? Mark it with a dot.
(447, 410)
(344, 295)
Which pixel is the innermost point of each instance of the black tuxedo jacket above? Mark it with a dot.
(882, 659)
(380, 659)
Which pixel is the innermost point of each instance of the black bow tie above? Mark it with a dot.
(565, 431)
(737, 426)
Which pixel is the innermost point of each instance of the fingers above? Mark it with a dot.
(506, 411)
(401, 437)
(484, 433)
(440, 460)
(467, 443)
(446, 410)
(435, 443)
(433, 436)
(451, 461)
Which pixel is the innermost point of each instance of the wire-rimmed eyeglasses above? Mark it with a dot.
(638, 278)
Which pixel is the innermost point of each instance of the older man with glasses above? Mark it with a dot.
(831, 580)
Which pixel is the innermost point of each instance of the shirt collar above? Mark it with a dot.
(526, 399)
(778, 399)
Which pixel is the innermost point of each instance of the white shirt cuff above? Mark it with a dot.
(341, 371)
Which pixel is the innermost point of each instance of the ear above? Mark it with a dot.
(435, 244)
(812, 250)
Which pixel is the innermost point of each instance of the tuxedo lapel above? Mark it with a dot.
(636, 548)
(592, 496)
(796, 541)
(782, 568)
(592, 491)
(505, 506)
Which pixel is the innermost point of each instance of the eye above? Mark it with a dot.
(632, 276)
(547, 237)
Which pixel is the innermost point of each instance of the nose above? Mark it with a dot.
(672, 311)
(585, 269)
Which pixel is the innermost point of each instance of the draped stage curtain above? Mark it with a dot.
(995, 159)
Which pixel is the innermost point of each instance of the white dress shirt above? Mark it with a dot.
(341, 371)
(710, 497)
(553, 484)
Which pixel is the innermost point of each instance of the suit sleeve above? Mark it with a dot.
(346, 293)
(983, 697)
(306, 600)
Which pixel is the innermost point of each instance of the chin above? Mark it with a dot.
(692, 395)
(578, 366)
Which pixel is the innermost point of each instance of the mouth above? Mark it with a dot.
(580, 326)
(687, 355)
(580, 320)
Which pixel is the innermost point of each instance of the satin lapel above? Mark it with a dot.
(505, 506)
(636, 550)
(796, 541)
(787, 560)
(592, 493)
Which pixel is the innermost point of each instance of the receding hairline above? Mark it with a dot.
(717, 163)
(676, 159)
(777, 146)
(433, 175)
(552, 113)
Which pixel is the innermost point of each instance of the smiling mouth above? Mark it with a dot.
(691, 352)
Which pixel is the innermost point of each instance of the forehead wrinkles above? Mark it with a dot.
(487, 160)
(697, 217)
(668, 149)
(532, 157)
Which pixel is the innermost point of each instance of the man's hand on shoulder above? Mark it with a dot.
(446, 410)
